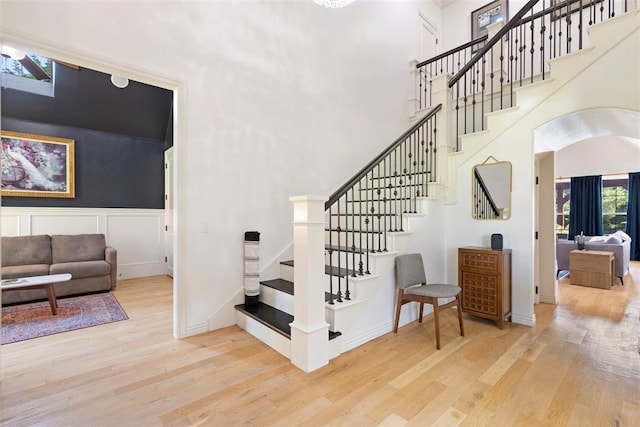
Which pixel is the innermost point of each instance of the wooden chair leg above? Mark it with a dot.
(436, 321)
(459, 309)
(398, 307)
(421, 312)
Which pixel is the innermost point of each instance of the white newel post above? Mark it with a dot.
(309, 330)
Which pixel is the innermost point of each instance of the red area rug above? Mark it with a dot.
(26, 321)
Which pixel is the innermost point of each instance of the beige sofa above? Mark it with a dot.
(91, 263)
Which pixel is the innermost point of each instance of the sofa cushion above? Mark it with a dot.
(16, 271)
(613, 238)
(21, 250)
(77, 247)
(624, 236)
(82, 269)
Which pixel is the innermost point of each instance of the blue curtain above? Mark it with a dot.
(633, 215)
(585, 206)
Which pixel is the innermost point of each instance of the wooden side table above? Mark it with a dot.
(591, 268)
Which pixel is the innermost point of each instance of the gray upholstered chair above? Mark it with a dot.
(412, 286)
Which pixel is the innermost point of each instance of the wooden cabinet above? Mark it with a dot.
(484, 275)
(591, 268)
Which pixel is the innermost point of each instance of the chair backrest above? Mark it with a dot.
(410, 270)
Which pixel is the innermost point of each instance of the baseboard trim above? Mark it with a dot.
(196, 329)
(528, 320)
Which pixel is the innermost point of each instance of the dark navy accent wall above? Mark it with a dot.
(111, 171)
(86, 99)
(120, 137)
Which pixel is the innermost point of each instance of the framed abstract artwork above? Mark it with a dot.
(486, 15)
(37, 166)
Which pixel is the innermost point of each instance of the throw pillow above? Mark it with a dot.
(613, 239)
(624, 236)
(597, 239)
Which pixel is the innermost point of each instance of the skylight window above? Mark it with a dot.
(31, 73)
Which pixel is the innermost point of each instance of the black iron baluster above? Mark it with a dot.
(366, 221)
(395, 188)
(482, 99)
(385, 200)
(543, 28)
(568, 19)
(457, 115)
(434, 149)
(353, 234)
(339, 230)
(379, 193)
(532, 50)
(492, 75)
(474, 89)
(360, 270)
(580, 28)
(502, 73)
(331, 255)
(465, 104)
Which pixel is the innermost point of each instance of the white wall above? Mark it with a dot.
(599, 156)
(135, 233)
(274, 99)
(511, 138)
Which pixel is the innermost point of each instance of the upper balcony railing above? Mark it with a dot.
(487, 70)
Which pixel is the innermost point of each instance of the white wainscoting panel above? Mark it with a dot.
(10, 225)
(63, 223)
(137, 234)
(140, 237)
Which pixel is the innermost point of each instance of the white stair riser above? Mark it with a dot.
(286, 272)
(277, 299)
(265, 334)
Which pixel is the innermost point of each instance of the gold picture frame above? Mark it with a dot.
(37, 165)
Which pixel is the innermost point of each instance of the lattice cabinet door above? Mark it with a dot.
(485, 278)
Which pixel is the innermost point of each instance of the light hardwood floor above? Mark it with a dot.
(579, 366)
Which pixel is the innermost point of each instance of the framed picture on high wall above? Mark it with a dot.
(37, 166)
(488, 14)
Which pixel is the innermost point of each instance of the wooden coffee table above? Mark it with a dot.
(37, 282)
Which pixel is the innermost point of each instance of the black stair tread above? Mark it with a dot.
(333, 335)
(346, 249)
(269, 316)
(413, 184)
(365, 214)
(353, 231)
(338, 272)
(332, 271)
(389, 199)
(279, 285)
(400, 175)
(274, 319)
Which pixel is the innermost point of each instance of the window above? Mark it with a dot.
(615, 194)
(563, 187)
(32, 73)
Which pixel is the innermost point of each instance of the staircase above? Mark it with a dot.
(400, 194)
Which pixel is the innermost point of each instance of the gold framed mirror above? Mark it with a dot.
(491, 190)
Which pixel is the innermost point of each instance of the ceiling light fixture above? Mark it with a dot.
(119, 82)
(13, 53)
(333, 4)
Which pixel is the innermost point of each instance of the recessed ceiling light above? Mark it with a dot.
(119, 82)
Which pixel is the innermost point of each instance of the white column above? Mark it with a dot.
(309, 330)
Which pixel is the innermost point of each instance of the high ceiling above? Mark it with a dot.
(444, 3)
